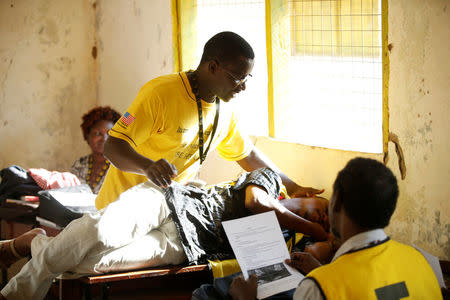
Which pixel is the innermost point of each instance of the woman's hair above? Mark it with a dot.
(96, 114)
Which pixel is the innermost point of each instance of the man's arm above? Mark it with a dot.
(305, 263)
(241, 289)
(307, 290)
(257, 200)
(256, 159)
(125, 158)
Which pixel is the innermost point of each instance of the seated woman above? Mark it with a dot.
(91, 169)
(147, 227)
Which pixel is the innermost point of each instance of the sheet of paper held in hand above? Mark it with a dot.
(434, 263)
(260, 249)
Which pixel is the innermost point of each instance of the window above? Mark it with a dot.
(318, 77)
(335, 70)
(246, 18)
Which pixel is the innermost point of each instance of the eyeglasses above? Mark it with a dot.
(236, 80)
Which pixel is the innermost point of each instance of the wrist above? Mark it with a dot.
(145, 164)
(291, 188)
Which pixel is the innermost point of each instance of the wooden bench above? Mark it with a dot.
(171, 282)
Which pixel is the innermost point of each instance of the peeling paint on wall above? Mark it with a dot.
(94, 52)
(48, 32)
(416, 221)
(133, 48)
(45, 82)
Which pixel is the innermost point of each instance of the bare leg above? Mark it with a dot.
(13, 250)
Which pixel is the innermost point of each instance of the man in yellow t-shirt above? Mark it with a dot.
(368, 265)
(165, 127)
(169, 128)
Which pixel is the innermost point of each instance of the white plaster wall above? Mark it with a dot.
(135, 46)
(419, 105)
(419, 113)
(50, 77)
(46, 81)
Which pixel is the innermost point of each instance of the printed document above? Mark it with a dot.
(260, 249)
(434, 263)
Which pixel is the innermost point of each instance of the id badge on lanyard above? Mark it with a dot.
(200, 132)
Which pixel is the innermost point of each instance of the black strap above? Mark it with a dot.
(370, 245)
(200, 128)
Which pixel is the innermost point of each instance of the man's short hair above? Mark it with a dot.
(368, 190)
(226, 46)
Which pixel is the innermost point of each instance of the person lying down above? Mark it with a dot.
(148, 226)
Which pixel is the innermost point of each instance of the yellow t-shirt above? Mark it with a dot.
(162, 122)
(377, 273)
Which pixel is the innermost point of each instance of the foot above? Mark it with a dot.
(15, 249)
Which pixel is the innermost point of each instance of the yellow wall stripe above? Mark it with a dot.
(271, 113)
(385, 60)
(176, 36)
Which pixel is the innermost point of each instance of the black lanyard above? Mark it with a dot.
(200, 127)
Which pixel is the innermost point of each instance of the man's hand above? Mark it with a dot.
(301, 191)
(303, 262)
(161, 172)
(125, 158)
(241, 289)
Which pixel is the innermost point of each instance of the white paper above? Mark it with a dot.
(74, 199)
(434, 263)
(259, 247)
(47, 223)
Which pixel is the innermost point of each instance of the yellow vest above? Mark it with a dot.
(378, 272)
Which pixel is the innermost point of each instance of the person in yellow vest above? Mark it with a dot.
(175, 119)
(368, 264)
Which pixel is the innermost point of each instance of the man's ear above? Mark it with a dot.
(213, 66)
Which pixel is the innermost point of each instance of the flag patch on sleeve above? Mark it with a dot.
(127, 119)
